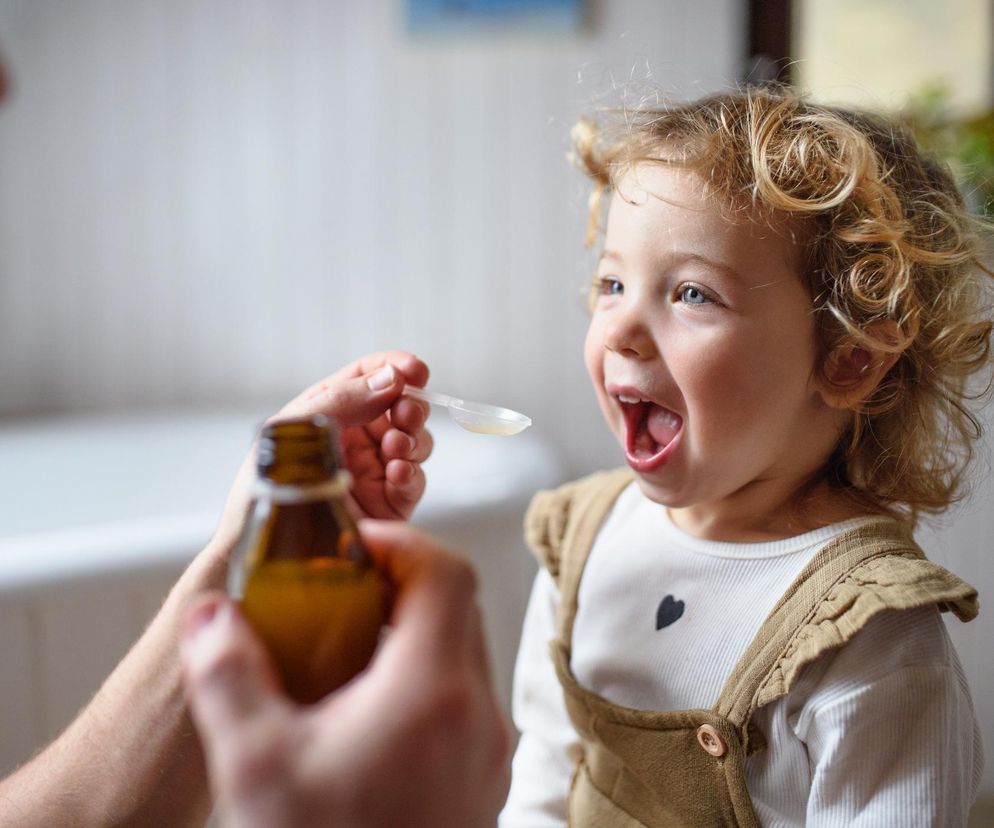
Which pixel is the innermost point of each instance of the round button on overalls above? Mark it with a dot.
(711, 740)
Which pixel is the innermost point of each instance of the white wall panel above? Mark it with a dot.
(221, 201)
(20, 713)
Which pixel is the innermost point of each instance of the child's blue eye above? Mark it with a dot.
(608, 286)
(693, 296)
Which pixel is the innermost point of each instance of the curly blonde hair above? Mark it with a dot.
(885, 238)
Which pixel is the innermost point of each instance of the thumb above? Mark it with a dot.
(350, 400)
(230, 683)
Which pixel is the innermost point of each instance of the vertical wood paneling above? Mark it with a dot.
(217, 201)
(19, 730)
(72, 671)
(58, 645)
(144, 598)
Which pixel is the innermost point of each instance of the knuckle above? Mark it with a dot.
(426, 444)
(226, 665)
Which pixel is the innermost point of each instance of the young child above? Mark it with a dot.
(788, 317)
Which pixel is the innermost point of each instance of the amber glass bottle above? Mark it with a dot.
(304, 580)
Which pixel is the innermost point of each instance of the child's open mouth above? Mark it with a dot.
(650, 431)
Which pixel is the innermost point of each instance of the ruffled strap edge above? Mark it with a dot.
(891, 582)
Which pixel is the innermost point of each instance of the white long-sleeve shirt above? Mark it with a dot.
(879, 733)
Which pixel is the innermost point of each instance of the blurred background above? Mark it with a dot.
(219, 202)
(206, 206)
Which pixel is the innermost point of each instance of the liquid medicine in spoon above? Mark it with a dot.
(479, 418)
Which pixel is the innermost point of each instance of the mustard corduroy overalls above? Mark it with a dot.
(686, 768)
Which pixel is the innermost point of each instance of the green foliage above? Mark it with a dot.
(965, 143)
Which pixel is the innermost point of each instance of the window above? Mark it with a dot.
(930, 63)
(886, 53)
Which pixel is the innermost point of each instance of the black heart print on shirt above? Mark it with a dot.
(669, 611)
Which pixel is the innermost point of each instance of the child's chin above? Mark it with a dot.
(657, 493)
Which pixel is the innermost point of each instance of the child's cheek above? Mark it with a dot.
(593, 357)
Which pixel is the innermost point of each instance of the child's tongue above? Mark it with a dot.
(652, 429)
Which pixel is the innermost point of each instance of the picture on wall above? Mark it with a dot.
(477, 15)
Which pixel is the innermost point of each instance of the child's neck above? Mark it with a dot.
(755, 517)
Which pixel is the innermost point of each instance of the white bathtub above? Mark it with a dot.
(98, 515)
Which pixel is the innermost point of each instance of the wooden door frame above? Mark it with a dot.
(769, 35)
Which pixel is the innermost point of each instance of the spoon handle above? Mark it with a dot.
(430, 396)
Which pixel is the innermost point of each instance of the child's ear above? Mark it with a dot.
(852, 371)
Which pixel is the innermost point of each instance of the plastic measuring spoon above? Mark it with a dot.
(474, 416)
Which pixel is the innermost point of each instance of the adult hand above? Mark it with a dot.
(417, 739)
(151, 769)
(382, 434)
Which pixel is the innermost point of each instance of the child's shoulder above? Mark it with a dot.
(878, 565)
(571, 513)
(874, 571)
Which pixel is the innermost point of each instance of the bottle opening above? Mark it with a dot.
(300, 451)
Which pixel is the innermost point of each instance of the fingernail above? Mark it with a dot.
(207, 632)
(383, 378)
(209, 620)
(199, 618)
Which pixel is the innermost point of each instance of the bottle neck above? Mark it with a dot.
(298, 452)
(335, 486)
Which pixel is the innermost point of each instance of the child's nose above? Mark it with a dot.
(627, 334)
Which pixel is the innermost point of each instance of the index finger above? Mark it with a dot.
(346, 395)
(415, 371)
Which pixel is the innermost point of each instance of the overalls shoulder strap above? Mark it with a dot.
(561, 525)
(863, 572)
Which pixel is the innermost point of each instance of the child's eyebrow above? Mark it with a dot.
(728, 270)
(678, 258)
